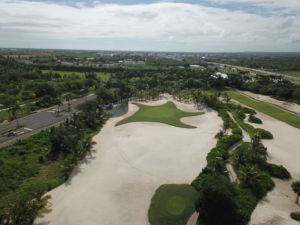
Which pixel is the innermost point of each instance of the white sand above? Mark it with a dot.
(131, 161)
(283, 150)
(293, 107)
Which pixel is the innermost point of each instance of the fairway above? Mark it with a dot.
(167, 113)
(172, 204)
(268, 109)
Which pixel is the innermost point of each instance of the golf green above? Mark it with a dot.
(167, 113)
(172, 204)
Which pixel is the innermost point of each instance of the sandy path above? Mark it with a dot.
(293, 107)
(131, 161)
(283, 150)
(193, 219)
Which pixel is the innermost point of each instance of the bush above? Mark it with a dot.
(254, 119)
(241, 115)
(247, 202)
(248, 111)
(278, 171)
(295, 216)
(264, 134)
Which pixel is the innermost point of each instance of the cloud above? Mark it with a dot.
(187, 26)
(271, 4)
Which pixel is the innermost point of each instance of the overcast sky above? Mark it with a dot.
(174, 25)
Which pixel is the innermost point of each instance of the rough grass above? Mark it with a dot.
(294, 73)
(268, 109)
(172, 204)
(167, 113)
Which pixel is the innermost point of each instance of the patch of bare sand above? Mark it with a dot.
(285, 105)
(283, 150)
(131, 161)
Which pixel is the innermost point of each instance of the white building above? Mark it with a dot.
(220, 75)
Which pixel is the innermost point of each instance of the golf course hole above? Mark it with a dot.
(175, 205)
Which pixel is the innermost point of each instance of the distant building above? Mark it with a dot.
(133, 62)
(195, 66)
(220, 75)
(67, 63)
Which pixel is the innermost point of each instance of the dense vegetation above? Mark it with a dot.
(31, 167)
(34, 166)
(224, 202)
(274, 62)
(29, 89)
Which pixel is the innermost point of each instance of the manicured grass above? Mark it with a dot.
(167, 113)
(172, 204)
(4, 115)
(293, 73)
(266, 108)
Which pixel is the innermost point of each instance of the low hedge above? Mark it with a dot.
(264, 134)
(254, 119)
(278, 171)
(248, 111)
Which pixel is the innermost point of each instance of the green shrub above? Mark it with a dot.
(295, 216)
(278, 171)
(246, 201)
(254, 119)
(217, 202)
(241, 115)
(264, 134)
(249, 111)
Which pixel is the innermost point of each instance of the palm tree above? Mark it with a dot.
(59, 104)
(257, 146)
(250, 177)
(14, 108)
(68, 98)
(296, 189)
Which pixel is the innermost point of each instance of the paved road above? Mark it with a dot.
(260, 71)
(38, 120)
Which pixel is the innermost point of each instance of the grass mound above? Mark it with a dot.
(167, 113)
(172, 204)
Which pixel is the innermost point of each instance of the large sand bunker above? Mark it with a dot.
(131, 161)
(284, 150)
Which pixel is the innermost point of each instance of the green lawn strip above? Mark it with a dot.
(172, 204)
(294, 73)
(167, 113)
(266, 108)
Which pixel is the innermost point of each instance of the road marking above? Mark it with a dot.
(29, 129)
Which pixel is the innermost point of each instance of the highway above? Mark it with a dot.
(32, 123)
(259, 71)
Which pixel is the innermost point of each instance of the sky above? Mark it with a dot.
(152, 25)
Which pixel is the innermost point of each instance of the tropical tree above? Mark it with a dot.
(226, 97)
(250, 177)
(14, 109)
(296, 189)
(68, 98)
(59, 104)
(216, 204)
(257, 146)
